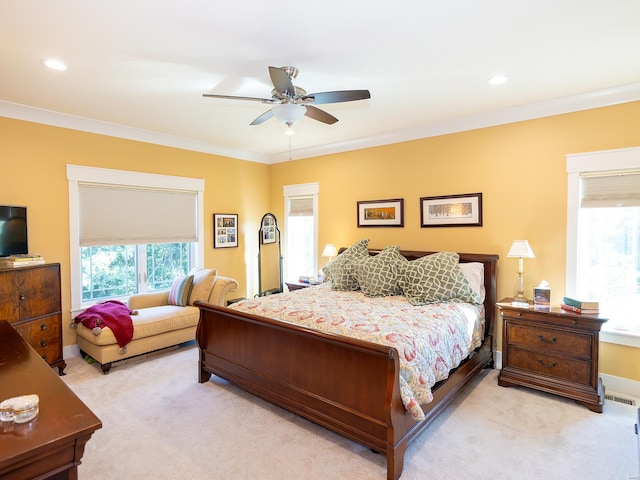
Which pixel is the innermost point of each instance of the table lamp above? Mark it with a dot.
(520, 249)
(329, 251)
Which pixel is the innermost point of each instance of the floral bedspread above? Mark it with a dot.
(430, 339)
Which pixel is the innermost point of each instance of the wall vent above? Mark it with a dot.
(619, 399)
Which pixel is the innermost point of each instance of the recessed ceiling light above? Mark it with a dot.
(498, 79)
(55, 64)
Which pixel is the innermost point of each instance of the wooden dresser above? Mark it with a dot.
(30, 300)
(552, 350)
(52, 444)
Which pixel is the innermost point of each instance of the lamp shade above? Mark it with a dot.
(329, 250)
(520, 249)
(288, 113)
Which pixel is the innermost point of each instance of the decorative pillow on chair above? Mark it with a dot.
(378, 275)
(203, 280)
(180, 291)
(340, 269)
(436, 278)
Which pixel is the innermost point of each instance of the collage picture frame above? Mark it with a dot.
(225, 230)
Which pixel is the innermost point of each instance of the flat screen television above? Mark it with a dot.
(13, 231)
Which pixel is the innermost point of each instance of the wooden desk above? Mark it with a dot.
(51, 445)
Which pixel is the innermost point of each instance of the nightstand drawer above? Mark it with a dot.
(576, 371)
(550, 340)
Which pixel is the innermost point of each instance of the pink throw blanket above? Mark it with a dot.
(113, 314)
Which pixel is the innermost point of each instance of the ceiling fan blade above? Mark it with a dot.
(233, 97)
(337, 97)
(262, 118)
(282, 81)
(320, 115)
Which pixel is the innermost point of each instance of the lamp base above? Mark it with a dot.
(520, 301)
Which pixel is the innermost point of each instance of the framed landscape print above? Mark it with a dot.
(225, 230)
(381, 213)
(451, 210)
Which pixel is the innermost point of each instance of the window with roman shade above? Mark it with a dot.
(128, 215)
(301, 207)
(610, 189)
(603, 238)
(301, 230)
(131, 231)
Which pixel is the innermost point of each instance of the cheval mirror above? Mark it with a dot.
(269, 256)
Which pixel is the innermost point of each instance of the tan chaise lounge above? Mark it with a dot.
(157, 325)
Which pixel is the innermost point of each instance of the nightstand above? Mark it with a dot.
(296, 286)
(553, 351)
(235, 300)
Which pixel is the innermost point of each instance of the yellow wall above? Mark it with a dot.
(34, 159)
(520, 169)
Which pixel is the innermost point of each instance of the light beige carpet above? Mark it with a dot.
(160, 423)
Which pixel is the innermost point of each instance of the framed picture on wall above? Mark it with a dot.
(225, 230)
(381, 213)
(463, 210)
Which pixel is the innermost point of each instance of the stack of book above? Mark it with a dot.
(579, 306)
(21, 260)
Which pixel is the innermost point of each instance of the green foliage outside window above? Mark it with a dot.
(117, 270)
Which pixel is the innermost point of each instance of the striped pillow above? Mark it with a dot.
(180, 291)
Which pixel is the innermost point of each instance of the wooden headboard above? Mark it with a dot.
(490, 262)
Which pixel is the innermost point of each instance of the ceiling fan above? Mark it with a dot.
(291, 103)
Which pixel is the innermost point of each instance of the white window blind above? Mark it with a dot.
(123, 215)
(301, 207)
(616, 189)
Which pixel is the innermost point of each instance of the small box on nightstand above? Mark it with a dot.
(542, 294)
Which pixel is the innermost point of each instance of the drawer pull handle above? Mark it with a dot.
(545, 365)
(44, 357)
(43, 326)
(43, 343)
(22, 297)
(542, 339)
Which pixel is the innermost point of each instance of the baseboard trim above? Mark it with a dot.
(71, 351)
(624, 386)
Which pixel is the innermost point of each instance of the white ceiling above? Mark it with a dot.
(138, 68)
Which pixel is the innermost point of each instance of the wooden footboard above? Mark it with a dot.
(347, 385)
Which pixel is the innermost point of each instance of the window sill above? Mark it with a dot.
(629, 338)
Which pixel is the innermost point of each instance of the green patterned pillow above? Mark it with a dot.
(378, 275)
(436, 278)
(340, 269)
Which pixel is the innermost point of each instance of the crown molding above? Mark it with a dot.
(74, 122)
(531, 111)
(572, 103)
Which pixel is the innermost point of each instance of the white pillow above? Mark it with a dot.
(474, 271)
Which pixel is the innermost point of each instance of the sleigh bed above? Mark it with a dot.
(351, 386)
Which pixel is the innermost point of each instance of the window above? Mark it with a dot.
(111, 271)
(301, 230)
(603, 238)
(136, 232)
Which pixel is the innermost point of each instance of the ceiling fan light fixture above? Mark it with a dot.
(288, 113)
(289, 131)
